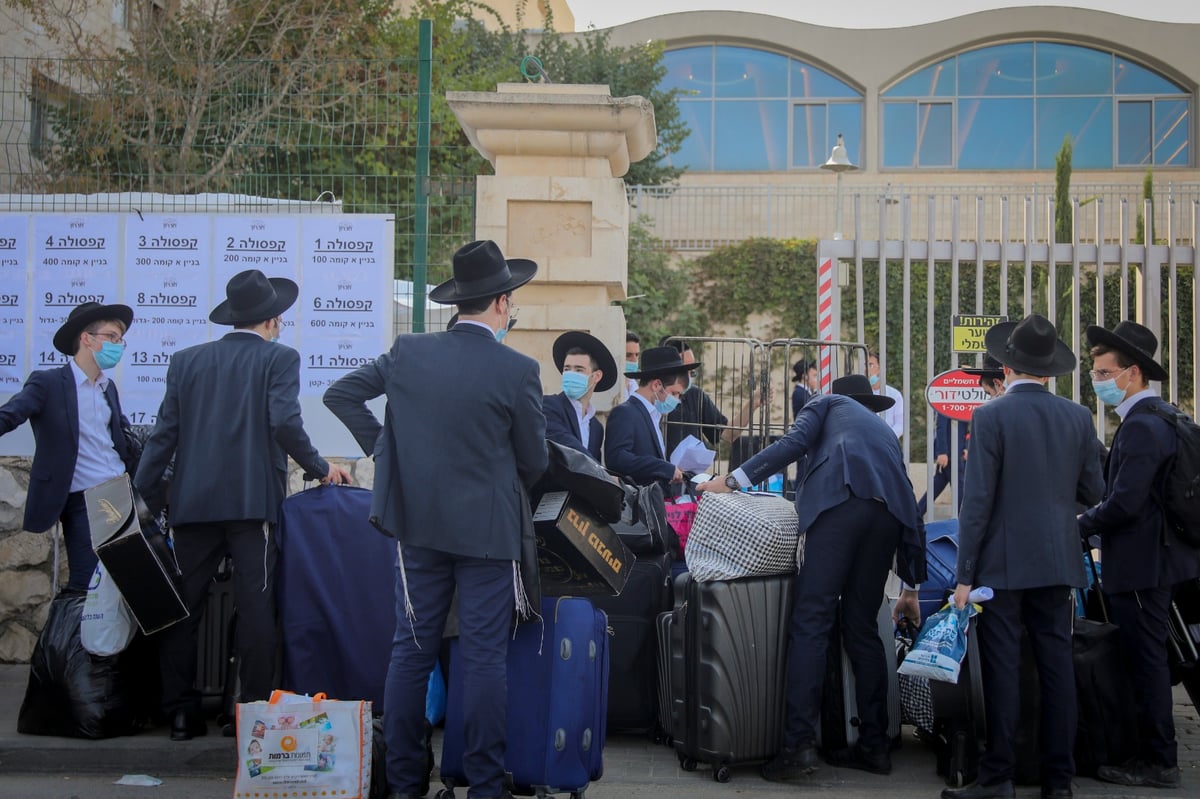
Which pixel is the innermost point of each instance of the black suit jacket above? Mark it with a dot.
(231, 417)
(562, 426)
(631, 447)
(50, 401)
(1138, 551)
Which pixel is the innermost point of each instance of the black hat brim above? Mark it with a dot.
(1150, 367)
(286, 292)
(995, 341)
(593, 347)
(873, 402)
(995, 374)
(663, 371)
(521, 271)
(65, 336)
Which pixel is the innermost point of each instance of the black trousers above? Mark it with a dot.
(1142, 617)
(77, 537)
(847, 554)
(1046, 615)
(200, 548)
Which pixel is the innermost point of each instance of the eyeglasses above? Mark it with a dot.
(115, 338)
(1105, 374)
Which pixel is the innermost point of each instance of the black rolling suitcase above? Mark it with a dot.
(633, 647)
(727, 664)
(959, 728)
(839, 705)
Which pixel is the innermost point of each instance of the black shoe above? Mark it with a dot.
(1057, 793)
(1001, 790)
(1138, 773)
(791, 764)
(861, 759)
(186, 726)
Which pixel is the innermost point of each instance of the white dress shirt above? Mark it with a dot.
(97, 460)
(585, 432)
(656, 420)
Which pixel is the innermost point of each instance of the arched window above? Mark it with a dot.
(752, 110)
(1010, 106)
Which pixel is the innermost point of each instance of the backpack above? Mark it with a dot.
(1181, 483)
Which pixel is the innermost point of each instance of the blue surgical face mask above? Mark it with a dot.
(874, 380)
(501, 333)
(631, 366)
(665, 406)
(574, 384)
(1107, 391)
(109, 355)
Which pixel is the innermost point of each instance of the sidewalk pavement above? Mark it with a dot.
(634, 766)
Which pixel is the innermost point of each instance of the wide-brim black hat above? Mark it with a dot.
(991, 369)
(1136, 341)
(858, 387)
(1030, 346)
(481, 270)
(660, 362)
(251, 296)
(83, 315)
(593, 347)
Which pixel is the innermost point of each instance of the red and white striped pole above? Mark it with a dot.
(825, 320)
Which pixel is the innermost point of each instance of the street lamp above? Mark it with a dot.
(838, 163)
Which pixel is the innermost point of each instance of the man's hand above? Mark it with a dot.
(336, 476)
(942, 461)
(908, 606)
(960, 596)
(678, 476)
(715, 485)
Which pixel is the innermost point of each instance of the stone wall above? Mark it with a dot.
(27, 559)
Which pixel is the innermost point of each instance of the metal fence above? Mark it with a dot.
(701, 218)
(353, 136)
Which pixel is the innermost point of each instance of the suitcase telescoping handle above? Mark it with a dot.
(1100, 598)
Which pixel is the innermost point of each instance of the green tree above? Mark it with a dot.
(1064, 221)
(659, 301)
(1147, 196)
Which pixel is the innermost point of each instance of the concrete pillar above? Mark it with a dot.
(559, 152)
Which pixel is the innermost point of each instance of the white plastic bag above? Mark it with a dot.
(941, 646)
(106, 626)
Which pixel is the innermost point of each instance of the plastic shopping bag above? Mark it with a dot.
(107, 626)
(681, 513)
(939, 650)
(313, 745)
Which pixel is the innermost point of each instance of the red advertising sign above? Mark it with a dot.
(955, 394)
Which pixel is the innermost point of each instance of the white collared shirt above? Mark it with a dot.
(1127, 404)
(584, 418)
(655, 419)
(97, 459)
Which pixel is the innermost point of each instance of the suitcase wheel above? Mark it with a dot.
(686, 763)
(722, 773)
(445, 793)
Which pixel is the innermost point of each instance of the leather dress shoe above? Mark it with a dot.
(1138, 773)
(186, 726)
(858, 758)
(791, 764)
(1001, 790)
(1057, 793)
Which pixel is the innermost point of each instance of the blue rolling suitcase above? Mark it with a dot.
(941, 555)
(557, 701)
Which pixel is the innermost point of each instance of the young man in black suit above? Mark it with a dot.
(587, 367)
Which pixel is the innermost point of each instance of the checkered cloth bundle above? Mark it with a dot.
(743, 535)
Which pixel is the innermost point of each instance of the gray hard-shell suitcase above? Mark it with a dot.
(727, 663)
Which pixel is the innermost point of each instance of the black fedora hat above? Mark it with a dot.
(251, 296)
(1030, 346)
(858, 387)
(481, 270)
(991, 369)
(660, 362)
(1136, 341)
(83, 315)
(593, 347)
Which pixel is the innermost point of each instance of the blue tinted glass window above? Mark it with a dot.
(690, 69)
(808, 81)
(1006, 69)
(995, 134)
(810, 141)
(936, 80)
(1066, 69)
(1087, 120)
(1171, 127)
(696, 151)
(750, 136)
(935, 134)
(1133, 132)
(743, 72)
(900, 135)
(1132, 78)
(846, 119)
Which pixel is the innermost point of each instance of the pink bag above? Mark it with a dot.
(680, 516)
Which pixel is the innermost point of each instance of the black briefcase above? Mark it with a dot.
(135, 553)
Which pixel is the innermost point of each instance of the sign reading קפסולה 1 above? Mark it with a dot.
(967, 331)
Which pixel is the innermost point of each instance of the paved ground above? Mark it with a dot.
(33, 767)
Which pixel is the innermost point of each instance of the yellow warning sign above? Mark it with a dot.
(966, 332)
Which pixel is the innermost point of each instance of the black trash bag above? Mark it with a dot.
(643, 526)
(73, 693)
(571, 470)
